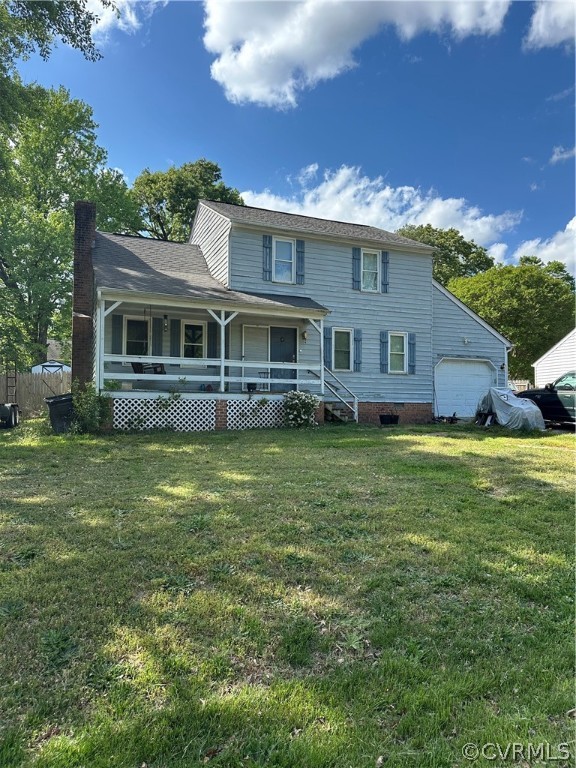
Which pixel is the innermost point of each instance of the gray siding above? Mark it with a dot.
(210, 233)
(407, 307)
(452, 325)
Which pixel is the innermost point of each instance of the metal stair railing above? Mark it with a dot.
(334, 390)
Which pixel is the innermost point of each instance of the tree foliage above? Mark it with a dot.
(528, 303)
(54, 159)
(28, 26)
(168, 199)
(453, 255)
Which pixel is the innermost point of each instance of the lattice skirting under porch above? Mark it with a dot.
(253, 414)
(180, 415)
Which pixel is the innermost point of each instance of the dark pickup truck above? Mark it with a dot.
(557, 401)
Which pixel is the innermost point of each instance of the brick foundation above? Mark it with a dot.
(408, 413)
(221, 414)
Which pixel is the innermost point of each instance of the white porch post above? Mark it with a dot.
(222, 321)
(99, 346)
(321, 332)
(222, 348)
(320, 329)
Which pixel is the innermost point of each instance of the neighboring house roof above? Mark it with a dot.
(147, 266)
(483, 323)
(555, 347)
(263, 218)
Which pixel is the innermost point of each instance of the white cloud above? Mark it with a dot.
(347, 195)
(560, 95)
(560, 247)
(128, 16)
(553, 23)
(267, 52)
(559, 155)
(498, 252)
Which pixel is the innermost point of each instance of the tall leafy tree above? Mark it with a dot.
(29, 26)
(454, 256)
(54, 160)
(526, 303)
(168, 199)
(553, 268)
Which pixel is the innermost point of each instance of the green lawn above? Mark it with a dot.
(346, 596)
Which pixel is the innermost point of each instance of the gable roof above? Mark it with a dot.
(278, 220)
(146, 266)
(569, 337)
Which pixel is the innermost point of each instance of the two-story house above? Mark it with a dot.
(211, 333)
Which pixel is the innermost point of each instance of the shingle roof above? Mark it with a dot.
(261, 217)
(144, 265)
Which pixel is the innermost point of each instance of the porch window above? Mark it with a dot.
(194, 340)
(397, 360)
(136, 336)
(370, 270)
(342, 349)
(284, 260)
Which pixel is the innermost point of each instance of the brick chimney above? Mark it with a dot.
(83, 294)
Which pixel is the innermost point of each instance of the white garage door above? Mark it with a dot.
(459, 385)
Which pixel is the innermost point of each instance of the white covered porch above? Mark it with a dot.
(147, 345)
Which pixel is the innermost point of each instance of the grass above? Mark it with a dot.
(340, 597)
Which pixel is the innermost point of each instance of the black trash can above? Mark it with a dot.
(61, 410)
(386, 419)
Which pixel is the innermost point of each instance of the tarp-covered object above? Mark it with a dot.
(511, 411)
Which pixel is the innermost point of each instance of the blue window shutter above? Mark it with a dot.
(212, 340)
(383, 351)
(300, 262)
(175, 338)
(356, 269)
(327, 346)
(411, 353)
(357, 349)
(117, 332)
(267, 257)
(384, 271)
(157, 335)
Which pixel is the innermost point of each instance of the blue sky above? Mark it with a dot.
(453, 113)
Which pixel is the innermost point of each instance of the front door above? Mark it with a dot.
(283, 349)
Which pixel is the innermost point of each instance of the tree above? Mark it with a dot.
(554, 268)
(168, 199)
(453, 255)
(27, 26)
(54, 160)
(531, 307)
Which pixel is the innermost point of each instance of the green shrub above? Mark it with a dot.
(91, 410)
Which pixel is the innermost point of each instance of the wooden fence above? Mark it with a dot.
(32, 388)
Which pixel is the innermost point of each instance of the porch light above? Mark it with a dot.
(165, 323)
(304, 335)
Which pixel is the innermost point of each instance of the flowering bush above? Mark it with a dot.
(299, 409)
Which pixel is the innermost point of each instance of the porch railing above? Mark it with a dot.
(261, 368)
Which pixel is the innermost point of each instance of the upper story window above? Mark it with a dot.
(284, 260)
(397, 357)
(136, 335)
(370, 270)
(194, 340)
(342, 349)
